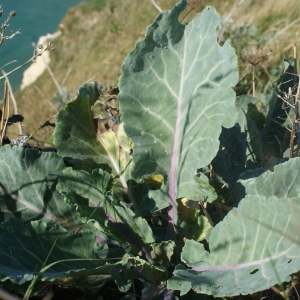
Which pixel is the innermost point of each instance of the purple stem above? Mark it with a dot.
(174, 160)
(55, 219)
(39, 211)
(167, 293)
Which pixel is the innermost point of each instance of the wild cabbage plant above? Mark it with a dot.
(95, 211)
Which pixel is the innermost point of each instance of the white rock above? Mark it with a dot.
(36, 69)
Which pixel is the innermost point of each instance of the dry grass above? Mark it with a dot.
(94, 44)
(256, 11)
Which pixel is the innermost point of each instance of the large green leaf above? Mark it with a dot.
(24, 250)
(87, 144)
(75, 135)
(176, 94)
(28, 186)
(281, 183)
(89, 193)
(240, 146)
(64, 258)
(256, 246)
(79, 136)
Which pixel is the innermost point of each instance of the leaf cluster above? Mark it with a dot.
(141, 193)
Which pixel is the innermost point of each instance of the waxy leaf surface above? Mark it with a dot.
(175, 95)
(28, 186)
(24, 249)
(75, 135)
(256, 246)
(63, 257)
(89, 193)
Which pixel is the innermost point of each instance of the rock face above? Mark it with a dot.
(37, 68)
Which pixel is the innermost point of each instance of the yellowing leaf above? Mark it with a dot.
(190, 213)
(155, 181)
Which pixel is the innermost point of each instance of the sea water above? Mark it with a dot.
(34, 18)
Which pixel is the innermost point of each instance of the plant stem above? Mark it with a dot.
(193, 7)
(36, 276)
(54, 79)
(294, 123)
(295, 65)
(156, 5)
(4, 109)
(13, 101)
(296, 97)
(253, 81)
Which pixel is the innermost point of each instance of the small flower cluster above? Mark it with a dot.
(254, 57)
(5, 25)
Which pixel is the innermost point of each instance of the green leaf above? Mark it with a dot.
(79, 136)
(139, 193)
(277, 117)
(231, 157)
(28, 186)
(256, 246)
(176, 94)
(73, 259)
(75, 134)
(190, 214)
(253, 108)
(251, 118)
(24, 248)
(123, 278)
(89, 193)
(281, 183)
(162, 252)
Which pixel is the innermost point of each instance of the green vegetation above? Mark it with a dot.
(171, 185)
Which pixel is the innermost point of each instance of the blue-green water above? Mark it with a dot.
(34, 18)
